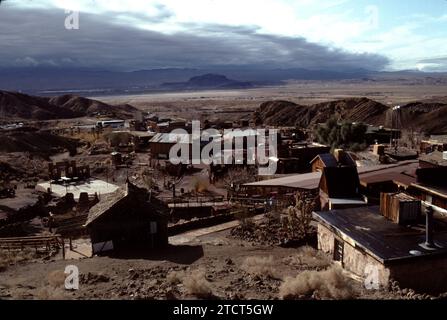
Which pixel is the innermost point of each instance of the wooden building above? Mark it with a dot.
(363, 241)
(340, 158)
(68, 169)
(431, 186)
(161, 144)
(393, 179)
(127, 219)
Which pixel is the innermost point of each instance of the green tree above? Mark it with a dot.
(342, 135)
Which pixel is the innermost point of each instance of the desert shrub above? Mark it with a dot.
(308, 256)
(200, 185)
(56, 278)
(8, 258)
(326, 284)
(245, 218)
(175, 277)
(260, 266)
(299, 217)
(116, 139)
(50, 293)
(197, 285)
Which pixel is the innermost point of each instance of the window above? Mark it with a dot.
(338, 250)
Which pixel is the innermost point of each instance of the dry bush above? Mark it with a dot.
(175, 277)
(308, 256)
(50, 293)
(54, 287)
(260, 266)
(56, 278)
(116, 139)
(326, 284)
(197, 285)
(299, 217)
(89, 137)
(245, 218)
(200, 185)
(8, 258)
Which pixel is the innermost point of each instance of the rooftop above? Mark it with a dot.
(404, 174)
(307, 181)
(310, 181)
(435, 157)
(90, 186)
(172, 138)
(327, 158)
(106, 202)
(437, 190)
(366, 229)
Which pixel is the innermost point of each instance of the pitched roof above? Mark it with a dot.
(327, 158)
(106, 202)
(131, 193)
(345, 159)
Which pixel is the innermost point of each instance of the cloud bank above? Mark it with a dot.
(38, 38)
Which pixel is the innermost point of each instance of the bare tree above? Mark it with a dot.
(299, 217)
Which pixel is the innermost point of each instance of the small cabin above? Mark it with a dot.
(127, 219)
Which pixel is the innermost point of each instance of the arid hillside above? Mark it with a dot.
(14, 105)
(427, 116)
(36, 142)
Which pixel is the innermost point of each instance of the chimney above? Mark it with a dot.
(429, 243)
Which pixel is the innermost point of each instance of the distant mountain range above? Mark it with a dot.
(207, 81)
(56, 81)
(426, 116)
(14, 105)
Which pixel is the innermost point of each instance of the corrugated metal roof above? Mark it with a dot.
(307, 181)
(171, 138)
(311, 180)
(402, 174)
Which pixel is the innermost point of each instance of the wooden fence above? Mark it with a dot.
(46, 243)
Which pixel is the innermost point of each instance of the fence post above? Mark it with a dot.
(63, 248)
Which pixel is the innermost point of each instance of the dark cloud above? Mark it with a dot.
(37, 37)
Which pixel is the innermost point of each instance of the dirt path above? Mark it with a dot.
(193, 235)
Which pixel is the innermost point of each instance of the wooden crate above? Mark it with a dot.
(400, 207)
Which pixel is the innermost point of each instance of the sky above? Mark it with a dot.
(144, 34)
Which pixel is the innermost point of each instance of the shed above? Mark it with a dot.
(127, 219)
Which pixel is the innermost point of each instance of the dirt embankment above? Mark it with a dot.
(425, 116)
